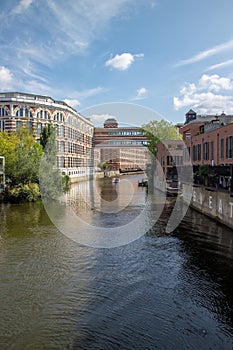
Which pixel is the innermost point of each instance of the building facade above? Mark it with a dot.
(209, 139)
(74, 133)
(122, 148)
(169, 156)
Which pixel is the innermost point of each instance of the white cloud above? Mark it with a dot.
(57, 29)
(220, 65)
(72, 102)
(6, 78)
(207, 53)
(215, 82)
(123, 61)
(98, 119)
(141, 94)
(22, 6)
(207, 96)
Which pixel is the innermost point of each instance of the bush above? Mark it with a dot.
(66, 183)
(22, 193)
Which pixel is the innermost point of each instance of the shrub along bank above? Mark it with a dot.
(23, 157)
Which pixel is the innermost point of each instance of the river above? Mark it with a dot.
(162, 291)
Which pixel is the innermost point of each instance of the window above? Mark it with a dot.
(62, 162)
(222, 148)
(169, 160)
(194, 153)
(27, 114)
(39, 129)
(40, 115)
(212, 150)
(206, 151)
(62, 131)
(18, 124)
(229, 147)
(30, 126)
(2, 112)
(62, 146)
(19, 113)
(2, 125)
(56, 129)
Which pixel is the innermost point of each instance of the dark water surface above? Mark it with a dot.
(163, 291)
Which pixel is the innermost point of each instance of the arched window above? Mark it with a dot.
(19, 113)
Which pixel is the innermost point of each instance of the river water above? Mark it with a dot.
(162, 291)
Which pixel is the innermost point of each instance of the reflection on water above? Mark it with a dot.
(94, 220)
(102, 196)
(163, 291)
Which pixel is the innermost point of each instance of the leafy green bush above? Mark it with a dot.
(23, 193)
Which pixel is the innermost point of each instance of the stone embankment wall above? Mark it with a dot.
(218, 205)
(97, 175)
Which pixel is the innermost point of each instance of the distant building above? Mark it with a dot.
(169, 156)
(121, 147)
(74, 132)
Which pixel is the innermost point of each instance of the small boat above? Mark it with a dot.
(115, 180)
(172, 189)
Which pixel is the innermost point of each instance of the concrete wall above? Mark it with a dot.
(217, 205)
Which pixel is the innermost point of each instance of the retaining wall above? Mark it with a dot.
(217, 205)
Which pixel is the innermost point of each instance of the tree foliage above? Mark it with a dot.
(103, 165)
(47, 132)
(157, 131)
(51, 181)
(22, 155)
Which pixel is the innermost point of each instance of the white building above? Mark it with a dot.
(74, 132)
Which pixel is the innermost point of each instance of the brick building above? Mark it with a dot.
(74, 132)
(209, 139)
(170, 155)
(121, 147)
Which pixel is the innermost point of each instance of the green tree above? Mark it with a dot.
(103, 165)
(8, 146)
(157, 131)
(47, 132)
(51, 181)
(22, 155)
(28, 157)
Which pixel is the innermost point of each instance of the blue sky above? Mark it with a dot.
(166, 55)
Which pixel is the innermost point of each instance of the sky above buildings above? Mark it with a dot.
(168, 56)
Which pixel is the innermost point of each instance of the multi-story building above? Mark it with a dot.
(74, 132)
(209, 139)
(169, 156)
(122, 148)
